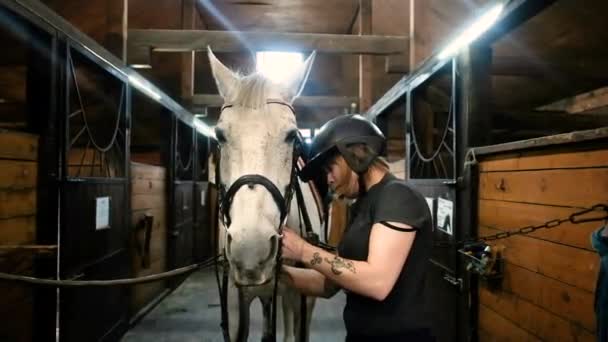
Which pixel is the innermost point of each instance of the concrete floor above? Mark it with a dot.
(192, 313)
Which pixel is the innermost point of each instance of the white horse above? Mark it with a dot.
(256, 132)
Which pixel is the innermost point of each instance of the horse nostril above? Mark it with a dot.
(250, 186)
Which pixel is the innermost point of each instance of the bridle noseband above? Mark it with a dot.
(282, 201)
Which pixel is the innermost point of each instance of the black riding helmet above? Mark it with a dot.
(335, 136)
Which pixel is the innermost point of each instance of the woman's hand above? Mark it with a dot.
(293, 245)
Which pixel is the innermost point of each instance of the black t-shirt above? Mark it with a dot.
(404, 309)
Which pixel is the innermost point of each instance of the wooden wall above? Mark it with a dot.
(18, 181)
(550, 275)
(148, 197)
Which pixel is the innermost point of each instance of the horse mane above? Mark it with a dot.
(252, 91)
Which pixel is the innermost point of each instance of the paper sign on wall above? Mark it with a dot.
(445, 213)
(102, 213)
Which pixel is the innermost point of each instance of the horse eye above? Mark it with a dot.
(219, 134)
(291, 136)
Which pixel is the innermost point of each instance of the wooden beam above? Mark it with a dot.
(585, 68)
(365, 62)
(580, 103)
(187, 72)
(515, 13)
(549, 121)
(211, 100)
(237, 41)
(116, 23)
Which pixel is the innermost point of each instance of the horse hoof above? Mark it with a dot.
(267, 339)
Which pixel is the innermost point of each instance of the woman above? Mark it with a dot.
(382, 258)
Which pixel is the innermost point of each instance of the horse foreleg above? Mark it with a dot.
(268, 334)
(238, 313)
(289, 315)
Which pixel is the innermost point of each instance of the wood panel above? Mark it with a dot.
(15, 203)
(18, 183)
(551, 187)
(18, 230)
(573, 266)
(567, 301)
(141, 186)
(148, 197)
(500, 214)
(15, 145)
(542, 160)
(18, 174)
(500, 328)
(144, 171)
(532, 318)
(91, 163)
(150, 158)
(549, 275)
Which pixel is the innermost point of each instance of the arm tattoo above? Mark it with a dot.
(337, 263)
(316, 259)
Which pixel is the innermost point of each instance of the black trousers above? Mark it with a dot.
(419, 335)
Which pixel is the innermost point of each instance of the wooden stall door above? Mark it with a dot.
(148, 244)
(550, 275)
(95, 203)
(19, 164)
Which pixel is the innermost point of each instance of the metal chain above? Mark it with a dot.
(574, 218)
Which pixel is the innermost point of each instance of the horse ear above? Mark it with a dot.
(225, 79)
(295, 83)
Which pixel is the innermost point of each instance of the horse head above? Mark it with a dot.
(256, 132)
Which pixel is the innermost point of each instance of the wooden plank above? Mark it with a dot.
(144, 171)
(567, 301)
(510, 216)
(143, 294)
(18, 230)
(532, 318)
(18, 174)
(588, 101)
(150, 158)
(16, 145)
(116, 26)
(141, 186)
(211, 100)
(232, 41)
(365, 62)
(147, 201)
(500, 328)
(15, 203)
(570, 187)
(545, 160)
(560, 121)
(526, 67)
(597, 134)
(570, 265)
(188, 60)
